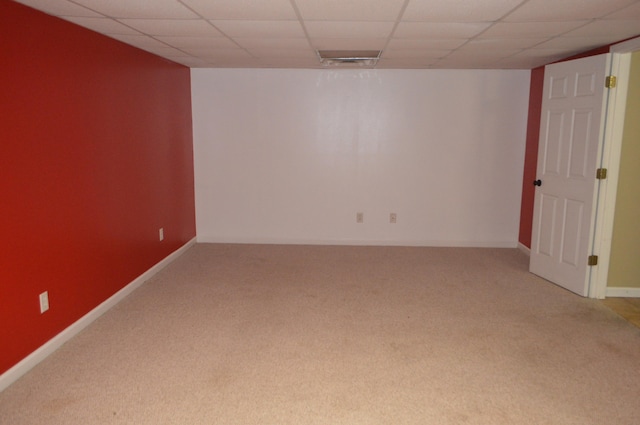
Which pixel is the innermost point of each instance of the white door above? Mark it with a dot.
(565, 201)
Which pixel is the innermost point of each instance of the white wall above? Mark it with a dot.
(290, 156)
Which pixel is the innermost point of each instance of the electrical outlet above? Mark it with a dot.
(44, 302)
(393, 218)
(359, 217)
(161, 234)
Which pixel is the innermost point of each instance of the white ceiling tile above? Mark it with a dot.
(248, 62)
(190, 42)
(348, 43)
(519, 63)
(500, 44)
(173, 27)
(141, 41)
(273, 43)
(509, 64)
(463, 63)
(270, 29)
(575, 44)
(350, 10)
(59, 8)
(102, 25)
(551, 55)
(530, 29)
(166, 51)
(630, 12)
(540, 52)
(617, 30)
(458, 10)
(426, 54)
(343, 29)
(482, 55)
(243, 9)
(538, 57)
(405, 63)
(485, 62)
(565, 10)
(139, 8)
(425, 43)
(211, 54)
(190, 61)
(532, 32)
(283, 53)
(290, 63)
(438, 30)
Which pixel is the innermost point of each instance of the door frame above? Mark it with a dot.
(609, 158)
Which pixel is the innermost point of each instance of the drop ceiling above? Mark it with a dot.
(448, 34)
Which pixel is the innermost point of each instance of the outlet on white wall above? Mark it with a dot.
(359, 217)
(393, 218)
(44, 302)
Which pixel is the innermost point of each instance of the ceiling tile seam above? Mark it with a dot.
(130, 27)
(301, 21)
(562, 35)
(454, 50)
(166, 44)
(501, 19)
(604, 17)
(119, 20)
(586, 22)
(395, 27)
(153, 37)
(85, 7)
(506, 15)
(125, 17)
(192, 10)
(217, 29)
(116, 20)
(492, 23)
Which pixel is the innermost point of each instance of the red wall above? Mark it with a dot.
(531, 150)
(531, 156)
(95, 156)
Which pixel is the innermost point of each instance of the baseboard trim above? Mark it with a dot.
(358, 242)
(524, 249)
(26, 364)
(622, 292)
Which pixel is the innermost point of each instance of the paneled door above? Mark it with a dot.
(571, 135)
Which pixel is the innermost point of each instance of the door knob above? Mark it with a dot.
(537, 182)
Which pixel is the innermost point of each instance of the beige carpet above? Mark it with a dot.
(246, 334)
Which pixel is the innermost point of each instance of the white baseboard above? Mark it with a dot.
(26, 364)
(360, 242)
(622, 292)
(524, 249)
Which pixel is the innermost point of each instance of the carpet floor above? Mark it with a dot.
(275, 334)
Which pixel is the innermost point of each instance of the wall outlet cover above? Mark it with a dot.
(44, 302)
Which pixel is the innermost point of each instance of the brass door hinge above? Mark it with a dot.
(593, 260)
(610, 81)
(601, 173)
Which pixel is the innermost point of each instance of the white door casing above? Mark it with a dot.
(571, 134)
(611, 152)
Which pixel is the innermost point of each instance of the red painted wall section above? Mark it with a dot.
(531, 156)
(96, 156)
(531, 150)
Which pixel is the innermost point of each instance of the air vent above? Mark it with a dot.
(349, 58)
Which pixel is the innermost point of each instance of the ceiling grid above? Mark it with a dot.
(444, 34)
